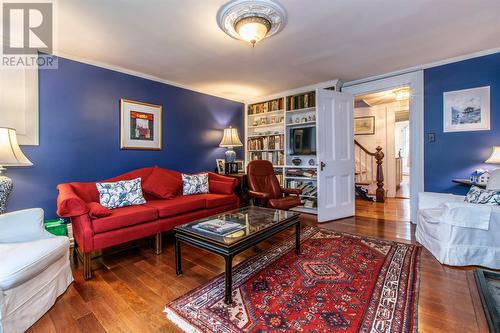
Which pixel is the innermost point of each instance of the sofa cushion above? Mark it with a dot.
(22, 261)
(163, 183)
(142, 173)
(220, 187)
(120, 194)
(96, 210)
(178, 205)
(216, 200)
(123, 217)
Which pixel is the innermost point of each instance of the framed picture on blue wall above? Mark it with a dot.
(140, 125)
(466, 110)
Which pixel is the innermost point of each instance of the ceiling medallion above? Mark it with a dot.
(251, 20)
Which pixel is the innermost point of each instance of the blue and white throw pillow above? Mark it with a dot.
(194, 184)
(121, 194)
(479, 196)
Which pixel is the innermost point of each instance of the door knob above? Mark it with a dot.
(322, 165)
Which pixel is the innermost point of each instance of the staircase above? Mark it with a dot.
(368, 171)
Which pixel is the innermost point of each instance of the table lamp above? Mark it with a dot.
(495, 156)
(229, 141)
(10, 155)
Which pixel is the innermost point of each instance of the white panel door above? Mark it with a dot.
(335, 155)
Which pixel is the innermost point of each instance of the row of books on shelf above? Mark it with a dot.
(309, 173)
(267, 142)
(309, 203)
(270, 106)
(275, 157)
(308, 188)
(302, 101)
(279, 175)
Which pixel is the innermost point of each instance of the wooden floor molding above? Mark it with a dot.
(129, 293)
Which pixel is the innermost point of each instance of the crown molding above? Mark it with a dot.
(140, 74)
(425, 66)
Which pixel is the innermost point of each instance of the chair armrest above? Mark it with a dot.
(22, 225)
(69, 203)
(434, 200)
(259, 195)
(294, 191)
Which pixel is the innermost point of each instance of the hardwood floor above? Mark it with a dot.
(128, 295)
(392, 209)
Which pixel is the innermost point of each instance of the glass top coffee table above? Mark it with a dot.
(232, 232)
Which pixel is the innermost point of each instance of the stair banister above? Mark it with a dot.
(378, 156)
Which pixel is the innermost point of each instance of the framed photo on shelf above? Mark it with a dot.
(140, 125)
(466, 110)
(364, 125)
(241, 165)
(221, 166)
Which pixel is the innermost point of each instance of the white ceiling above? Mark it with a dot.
(179, 40)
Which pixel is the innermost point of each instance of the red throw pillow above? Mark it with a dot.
(163, 183)
(96, 210)
(217, 186)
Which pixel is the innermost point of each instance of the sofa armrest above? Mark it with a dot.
(69, 203)
(258, 195)
(83, 232)
(294, 191)
(215, 176)
(22, 225)
(434, 200)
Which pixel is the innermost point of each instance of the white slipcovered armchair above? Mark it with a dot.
(459, 233)
(34, 269)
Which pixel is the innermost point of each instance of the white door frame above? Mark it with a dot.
(415, 80)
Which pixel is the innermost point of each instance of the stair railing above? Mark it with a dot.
(369, 169)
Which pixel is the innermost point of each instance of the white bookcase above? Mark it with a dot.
(269, 122)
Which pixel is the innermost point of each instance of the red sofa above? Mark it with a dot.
(96, 227)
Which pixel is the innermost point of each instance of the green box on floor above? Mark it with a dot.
(56, 227)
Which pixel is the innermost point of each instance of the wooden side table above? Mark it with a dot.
(242, 189)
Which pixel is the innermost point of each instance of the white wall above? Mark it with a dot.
(383, 137)
(399, 132)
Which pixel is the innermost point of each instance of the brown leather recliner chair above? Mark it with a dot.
(264, 186)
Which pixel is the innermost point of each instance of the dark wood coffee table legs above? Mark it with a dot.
(297, 238)
(228, 299)
(178, 264)
(229, 252)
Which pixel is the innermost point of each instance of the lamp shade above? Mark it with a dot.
(495, 156)
(230, 138)
(10, 152)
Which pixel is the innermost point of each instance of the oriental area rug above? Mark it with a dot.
(339, 283)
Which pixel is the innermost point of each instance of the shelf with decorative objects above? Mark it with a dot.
(291, 115)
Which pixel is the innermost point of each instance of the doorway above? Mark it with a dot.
(410, 88)
(381, 125)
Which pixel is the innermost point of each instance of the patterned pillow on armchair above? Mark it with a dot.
(195, 184)
(479, 196)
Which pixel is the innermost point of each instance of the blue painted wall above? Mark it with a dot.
(456, 155)
(79, 107)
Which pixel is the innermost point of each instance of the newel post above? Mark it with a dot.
(380, 194)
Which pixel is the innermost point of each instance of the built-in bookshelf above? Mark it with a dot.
(265, 133)
(269, 124)
(301, 101)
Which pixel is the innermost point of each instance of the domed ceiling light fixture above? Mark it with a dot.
(251, 20)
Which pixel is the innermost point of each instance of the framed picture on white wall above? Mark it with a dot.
(466, 110)
(364, 125)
